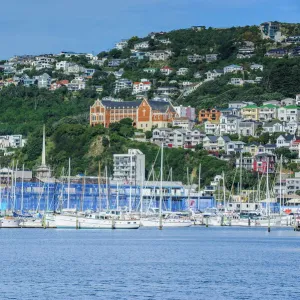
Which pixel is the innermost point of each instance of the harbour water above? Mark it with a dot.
(178, 263)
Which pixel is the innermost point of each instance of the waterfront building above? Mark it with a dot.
(129, 167)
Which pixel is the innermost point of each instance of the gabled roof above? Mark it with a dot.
(269, 105)
(287, 137)
(270, 146)
(253, 144)
(291, 107)
(271, 123)
(226, 138)
(161, 106)
(212, 138)
(233, 66)
(121, 104)
(250, 106)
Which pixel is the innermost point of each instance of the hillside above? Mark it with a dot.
(65, 112)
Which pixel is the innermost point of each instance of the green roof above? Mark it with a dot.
(291, 107)
(269, 106)
(250, 106)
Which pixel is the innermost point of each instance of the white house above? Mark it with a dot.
(140, 87)
(273, 126)
(236, 81)
(121, 45)
(78, 83)
(256, 67)
(234, 147)
(75, 69)
(159, 55)
(166, 70)
(122, 84)
(141, 45)
(233, 69)
(211, 75)
(285, 140)
(195, 57)
(229, 124)
(62, 65)
(289, 113)
(182, 71)
(211, 127)
(292, 127)
(268, 112)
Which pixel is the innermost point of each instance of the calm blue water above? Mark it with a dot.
(193, 263)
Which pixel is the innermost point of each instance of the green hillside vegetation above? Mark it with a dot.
(23, 110)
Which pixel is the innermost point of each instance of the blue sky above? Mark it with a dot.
(35, 26)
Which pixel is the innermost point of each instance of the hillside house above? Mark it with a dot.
(267, 112)
(166, 70)
(140, 87)
(289, 113)
(211, 75)
(141, 45)
(250, 112)
(159, 55)
(233, 69)
(211, 57)
(212, 114)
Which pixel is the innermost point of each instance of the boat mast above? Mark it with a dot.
(83, 191)
(0, 191)
(224, 194)
(141, 194)
(12, 199)
(99, 187)
(48, 195)
(130, 184)
(22, 189)
(199, 182)
(117, 195)
(241, 177)
(106, 179)
(267, 187)
(280, 190)
(161, 187)
(69, 182)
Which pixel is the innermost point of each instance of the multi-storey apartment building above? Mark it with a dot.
(130, 167)
(250, 112)
(212, 114)
(267, 112)
(289, 113)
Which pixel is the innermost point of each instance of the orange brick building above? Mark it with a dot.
(209, 115)
(145, 114)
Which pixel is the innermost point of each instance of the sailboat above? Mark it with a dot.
(167, 220)
(94, 220)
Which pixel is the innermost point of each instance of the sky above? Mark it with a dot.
(37, 27)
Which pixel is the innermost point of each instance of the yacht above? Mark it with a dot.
(166, 222)
(94, 221)
(9, 222)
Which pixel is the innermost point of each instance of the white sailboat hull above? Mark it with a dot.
(166, 223)
(9, 223)
(31, 223)
(73, 222)
(127, 224)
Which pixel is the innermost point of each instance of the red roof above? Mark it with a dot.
(62, 82)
